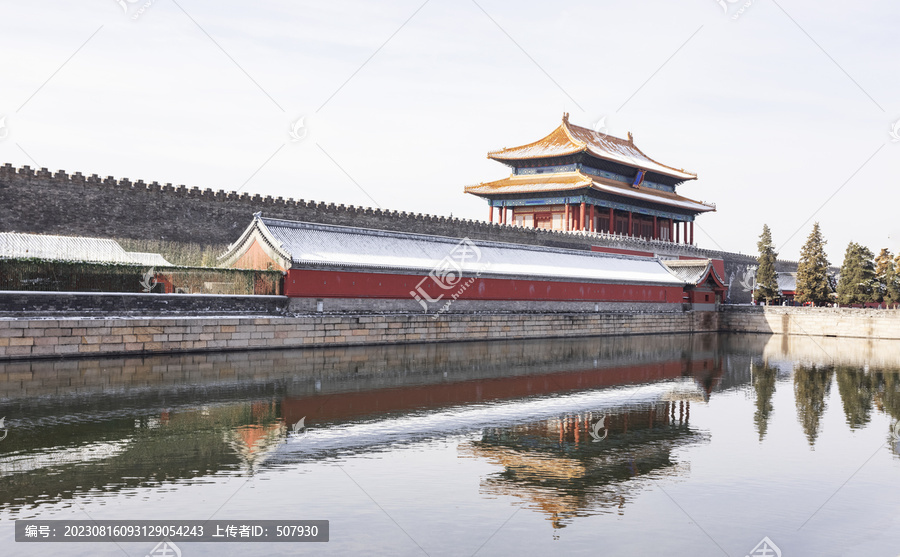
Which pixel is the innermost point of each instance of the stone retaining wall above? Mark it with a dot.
(51, 338)
(827, 322)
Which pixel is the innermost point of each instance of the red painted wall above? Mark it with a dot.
(301, 283)
(623, 251)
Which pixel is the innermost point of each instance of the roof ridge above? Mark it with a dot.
(441, 239)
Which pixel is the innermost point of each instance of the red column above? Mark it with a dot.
(592, 225)
(630, 224)
(692, 233)
(612, 221)
(491, 214)
(566, 218)
(502, 215)
(581, 218)
(677, 231)
(655, 228)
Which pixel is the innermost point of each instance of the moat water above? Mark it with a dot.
(680, 445)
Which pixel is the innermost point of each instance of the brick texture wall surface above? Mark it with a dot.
(48, 338)
(827, 322)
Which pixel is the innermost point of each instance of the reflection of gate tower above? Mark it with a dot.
(557, 466)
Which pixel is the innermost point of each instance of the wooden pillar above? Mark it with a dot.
(612, 221)
(566, 218)
(630, 223)
(655, 228)
(692, 233)
(491, 215)
(677, 231)
(581, 223)
(593, 225)
(502, 215)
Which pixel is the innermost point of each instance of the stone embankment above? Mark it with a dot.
(816, 322)
(54, 338)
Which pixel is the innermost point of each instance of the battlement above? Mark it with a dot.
(38, 201)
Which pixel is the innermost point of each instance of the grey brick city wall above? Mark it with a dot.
(70, 304)
(42, 202)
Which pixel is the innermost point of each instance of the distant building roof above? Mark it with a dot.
(693, 271)
(787, 282)
(563, 181)
(72, 248)
(301, 244)
(569, 139)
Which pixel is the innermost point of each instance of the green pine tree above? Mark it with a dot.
(884, 273)
(892, 284)
(766, 279)
(858, 283)
(812, 271)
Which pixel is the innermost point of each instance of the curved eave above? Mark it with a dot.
(573, 181)
(564, 141)
(600, 153)
(650, 195)
(536, 183)
(256, 231)
(557, 143)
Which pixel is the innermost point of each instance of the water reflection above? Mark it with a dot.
(764, 379)
(811, 386)
(565, 468)
(112, 426)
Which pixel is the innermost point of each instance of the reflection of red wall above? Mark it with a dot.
(352, 404)
(339, 284)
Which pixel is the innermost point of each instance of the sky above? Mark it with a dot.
(785, 109)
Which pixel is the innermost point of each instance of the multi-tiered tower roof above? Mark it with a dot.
(581, 179)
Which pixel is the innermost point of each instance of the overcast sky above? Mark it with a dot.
(784, 110)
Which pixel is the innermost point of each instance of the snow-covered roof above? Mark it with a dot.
(693, 271)
(569, 139)
(318, 245)
(72, 248)
(574, 180)
(787, 282)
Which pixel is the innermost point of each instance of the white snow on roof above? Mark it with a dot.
(325, 245)
(786, 282)
(691, 271)
(655, 198)
(69, 248)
